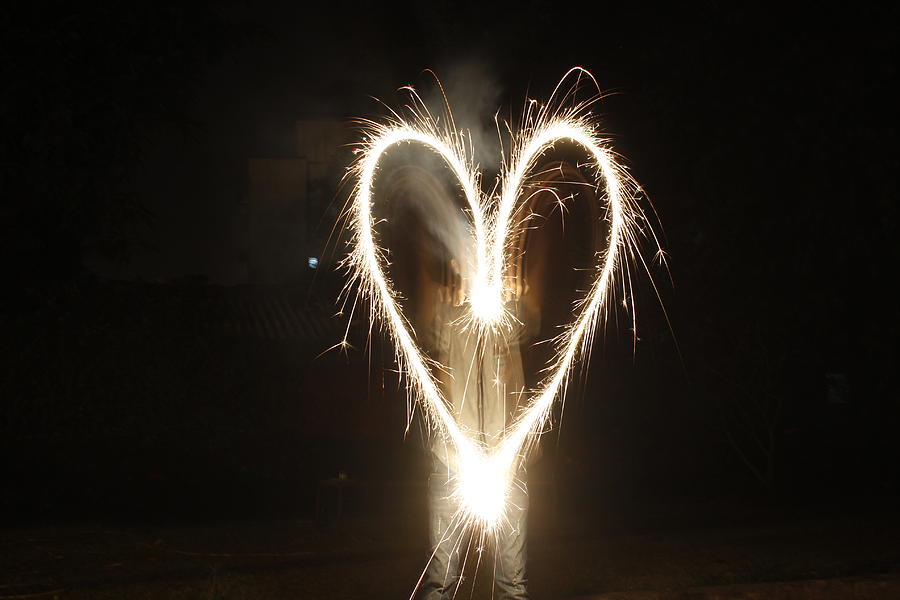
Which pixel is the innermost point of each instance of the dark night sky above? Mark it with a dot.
(706, 101)
(765, 138)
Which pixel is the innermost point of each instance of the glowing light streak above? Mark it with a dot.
(484, 474)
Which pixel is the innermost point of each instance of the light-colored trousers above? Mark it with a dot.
(450, 542)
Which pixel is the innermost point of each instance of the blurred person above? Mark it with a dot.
(483, 382)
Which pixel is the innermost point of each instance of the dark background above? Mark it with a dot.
(764, 136)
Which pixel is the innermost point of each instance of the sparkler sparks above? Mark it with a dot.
(485, 473)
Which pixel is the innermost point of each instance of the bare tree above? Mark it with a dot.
(745, 389)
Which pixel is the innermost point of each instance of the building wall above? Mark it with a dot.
(294, 203)
(277, 240)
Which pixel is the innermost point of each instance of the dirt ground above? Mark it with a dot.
(369, 558)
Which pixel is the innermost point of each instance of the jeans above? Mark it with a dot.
(451, 541)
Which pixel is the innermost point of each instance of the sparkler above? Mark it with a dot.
(484, 474)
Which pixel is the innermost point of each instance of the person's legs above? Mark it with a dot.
(442, 573)
(512, 553)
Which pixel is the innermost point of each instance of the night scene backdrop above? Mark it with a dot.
(173, 425)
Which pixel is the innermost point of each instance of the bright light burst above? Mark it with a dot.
(484, 474)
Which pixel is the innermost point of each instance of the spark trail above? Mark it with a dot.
(484, 474)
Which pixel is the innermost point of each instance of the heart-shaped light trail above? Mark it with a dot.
(484, 474)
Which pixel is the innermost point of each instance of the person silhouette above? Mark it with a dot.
(483, 382)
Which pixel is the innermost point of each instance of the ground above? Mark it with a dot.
(360, 557)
